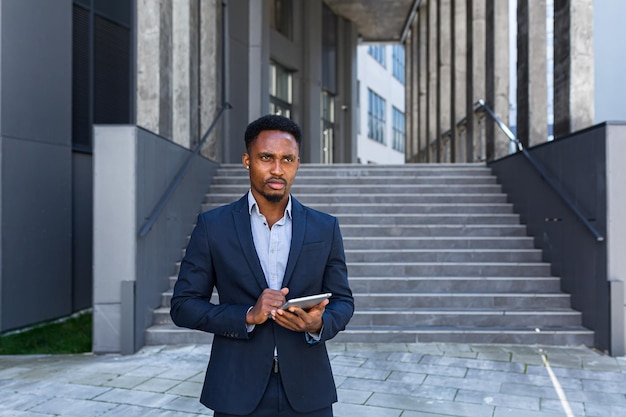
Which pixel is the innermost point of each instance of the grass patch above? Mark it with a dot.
(72, 335)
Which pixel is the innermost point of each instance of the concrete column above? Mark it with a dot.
(411, 98)
(475, 75)
(497, 85)
(532, 98)
(422, 111)
(444, 69)
(459, 65)
(154, 66)
(210, 74)
(182, 51)
(573, 66)
(432, 140)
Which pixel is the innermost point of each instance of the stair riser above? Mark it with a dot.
(460, 209)
(434, 231)
(439, 285)
(462, 301)
(468, 319)
(354, 243)
(334, 189)
(333, 172)
(443, 256)
(415, 219)
(542, 338)
(369, 180)
(221, 199)
(484, 321)
(448, 270)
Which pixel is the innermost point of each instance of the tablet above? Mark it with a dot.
(306, 302)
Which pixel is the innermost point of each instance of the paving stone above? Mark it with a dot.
(417, 368)
(555, 406)
(473, 364)
(365, 373)
(13, 371)
(498, 400)
(188, 405)
(347, 361)
(450, 408)
(20, 401)
(351, 396)
(126, 381)
(603, 410)
(187, 389)
(407, 377)
(540, 380)
(73, 407)
(463, 383)
(157, 385)
(514, 412)
(140, 398)
(353, 410)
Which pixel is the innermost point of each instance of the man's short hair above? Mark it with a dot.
(272, 122)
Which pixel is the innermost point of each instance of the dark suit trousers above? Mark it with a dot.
(274, 403)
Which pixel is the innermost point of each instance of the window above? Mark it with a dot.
(280, 90)
(281, 12)
(398, 62)
(399, 132)
(376, 117)
(378, 53)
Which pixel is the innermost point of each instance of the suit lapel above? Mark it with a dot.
(297, 238)
(241, 218)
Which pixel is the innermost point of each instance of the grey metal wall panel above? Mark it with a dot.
(577, 163)
(36, 232)
(35, 125)
(36, 72)
(82, 228)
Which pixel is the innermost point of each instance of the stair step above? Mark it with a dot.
(440, 284)
(405, 219)
(438, 242)
(323, 198)
(464, 318)
(441, 255)
(572, 336)
(367, 180)
(396, 189)
(460, 230)
(338, 209)
(421, 269)
(512, 301)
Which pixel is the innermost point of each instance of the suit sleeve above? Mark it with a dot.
(191, 306)
(339, 310)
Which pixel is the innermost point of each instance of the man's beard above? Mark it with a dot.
(273, 198)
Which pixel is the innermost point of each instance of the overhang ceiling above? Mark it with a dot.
(376, 20)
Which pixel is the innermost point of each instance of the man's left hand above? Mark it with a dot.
(299, 320)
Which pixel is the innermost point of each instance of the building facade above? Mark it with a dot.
(381, 124)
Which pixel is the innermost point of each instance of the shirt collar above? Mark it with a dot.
(252, 205)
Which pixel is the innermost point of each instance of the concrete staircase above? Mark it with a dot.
(434, 253)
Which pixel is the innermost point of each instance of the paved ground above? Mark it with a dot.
(382, 380)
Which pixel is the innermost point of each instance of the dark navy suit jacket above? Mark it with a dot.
(221, 254)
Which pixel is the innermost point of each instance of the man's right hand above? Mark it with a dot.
(268, 302)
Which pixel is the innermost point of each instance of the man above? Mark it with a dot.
(258, 252)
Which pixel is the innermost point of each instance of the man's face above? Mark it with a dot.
(273, 160)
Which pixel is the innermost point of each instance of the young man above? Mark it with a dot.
(258, 252)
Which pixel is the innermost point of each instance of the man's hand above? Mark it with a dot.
(267, 303)
(299, 320)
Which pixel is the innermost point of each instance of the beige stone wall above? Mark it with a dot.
(178, 60)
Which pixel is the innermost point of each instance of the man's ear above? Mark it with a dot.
(245, 160)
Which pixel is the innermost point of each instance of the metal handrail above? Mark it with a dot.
(182, 171)
(481, 104)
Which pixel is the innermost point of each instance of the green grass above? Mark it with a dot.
(67, 336)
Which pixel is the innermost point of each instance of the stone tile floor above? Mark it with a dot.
(373, 380)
